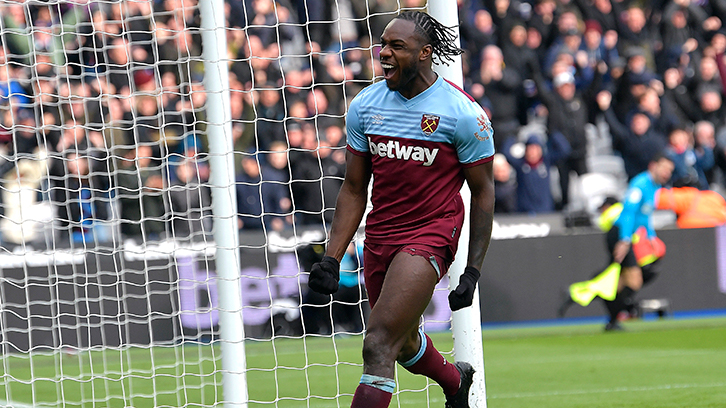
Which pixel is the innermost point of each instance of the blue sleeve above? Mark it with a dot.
(474, 137)
(354, 128)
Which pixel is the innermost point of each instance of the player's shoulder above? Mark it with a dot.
(372, 93)
(641, 180)
(459, 101)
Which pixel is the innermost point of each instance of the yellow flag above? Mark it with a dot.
(604, 285)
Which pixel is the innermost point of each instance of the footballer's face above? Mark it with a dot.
(662, 170)
(402, 54)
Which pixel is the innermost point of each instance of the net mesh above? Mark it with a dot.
(108, 287)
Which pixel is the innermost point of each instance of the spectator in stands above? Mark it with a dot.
(534, 194)
(543, 21)
(504, 14)
(515, 51)
(710, 104)
(637, 142)
(636, 35)
(122, 83)
(139, 186)
(477, 35)
(660, 113)
(280, 168)
(680, 30)
(189, 202)
(262, 196)
(594, 49)
(677, 96)
(24, 141)
(270, 114)
(601, 12)
(707, 77)
(690, 164)
(505, 185)
(332, 162)
(569, 45)
(81, 194)
(500, 84)
(568, 113)
(635, 80)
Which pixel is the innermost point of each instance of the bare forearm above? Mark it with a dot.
(349, 210)
(482, 219)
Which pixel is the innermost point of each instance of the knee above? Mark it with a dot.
(378, 347)
(410, 347)
(636, 281)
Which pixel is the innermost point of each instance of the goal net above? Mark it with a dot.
(109, 287)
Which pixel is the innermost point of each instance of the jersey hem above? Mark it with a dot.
(478, 162)
(357, 152)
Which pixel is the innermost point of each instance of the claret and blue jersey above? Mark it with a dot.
(418, 148)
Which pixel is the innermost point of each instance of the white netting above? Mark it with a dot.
(108, 287)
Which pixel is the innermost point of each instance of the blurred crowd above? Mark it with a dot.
(102, 104)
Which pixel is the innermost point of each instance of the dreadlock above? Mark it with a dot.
(438, 35)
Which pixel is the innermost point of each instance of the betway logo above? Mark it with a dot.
(394, 150)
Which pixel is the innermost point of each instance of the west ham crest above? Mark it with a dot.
(429, 123)
(484, 126)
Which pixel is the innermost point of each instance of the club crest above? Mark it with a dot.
(485, 127)
(429, 123)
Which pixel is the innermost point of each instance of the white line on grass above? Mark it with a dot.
(604, 391)
(611, 357)
(11, 404)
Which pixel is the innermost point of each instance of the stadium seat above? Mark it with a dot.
(592, 188)
(608, 164)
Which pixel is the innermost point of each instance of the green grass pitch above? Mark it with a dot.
(659, 364)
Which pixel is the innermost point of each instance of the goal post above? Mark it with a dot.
(224, 204)
(465, 323)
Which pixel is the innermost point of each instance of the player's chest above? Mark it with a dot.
(428, 125)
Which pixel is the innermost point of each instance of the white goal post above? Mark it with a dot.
(142, 263)
(466, 323)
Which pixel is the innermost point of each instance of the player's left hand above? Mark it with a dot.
(464, 294)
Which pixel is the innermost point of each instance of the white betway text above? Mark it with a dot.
(394, 150)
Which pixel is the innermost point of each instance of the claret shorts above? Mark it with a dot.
(378, 257)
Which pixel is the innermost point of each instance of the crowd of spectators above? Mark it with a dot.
(644, 76)
(107, 99)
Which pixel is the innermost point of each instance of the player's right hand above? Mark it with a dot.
(324, 276)
(620, 251)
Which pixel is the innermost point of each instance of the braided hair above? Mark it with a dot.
(438, 35)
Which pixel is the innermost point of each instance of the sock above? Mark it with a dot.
(648, 275)
(429, 362)
(373, 392)
(623, 301)
(628, 297)
(613, 308)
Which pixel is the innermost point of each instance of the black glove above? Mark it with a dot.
(324, 276)
(464, 293)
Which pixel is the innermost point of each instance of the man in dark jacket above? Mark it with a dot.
(533, 171)
(568, 114)
(637, 142)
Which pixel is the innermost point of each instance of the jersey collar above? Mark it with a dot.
(422, 96)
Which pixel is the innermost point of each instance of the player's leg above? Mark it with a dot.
(418, 355)
(631, 280)
(406, 291)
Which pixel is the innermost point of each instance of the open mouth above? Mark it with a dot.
(388, 70)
